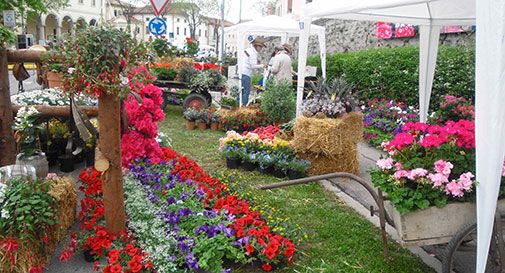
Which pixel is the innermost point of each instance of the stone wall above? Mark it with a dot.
(348, 35)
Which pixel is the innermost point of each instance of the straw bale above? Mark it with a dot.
(330, 137)
(63, 190)
(322, 164)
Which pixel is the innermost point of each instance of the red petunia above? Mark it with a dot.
(266, 267)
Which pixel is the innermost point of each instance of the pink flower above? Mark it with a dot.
(438, 179)
(385, 163)
(401, 140)
(398, 166)
(443, 167)
(465, 181)
(417, 173)
(454, 188)
(450, 99)
(400, 174)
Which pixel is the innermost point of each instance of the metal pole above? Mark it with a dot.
(240, 13)
(221, 50)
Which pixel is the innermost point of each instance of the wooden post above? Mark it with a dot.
(59, 111)
(7, 143)
(110, 149)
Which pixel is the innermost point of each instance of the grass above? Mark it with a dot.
(340, 240)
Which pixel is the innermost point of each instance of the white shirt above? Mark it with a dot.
(251, 61)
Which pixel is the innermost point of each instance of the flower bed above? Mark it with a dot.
(383, 119)
(208, 223)
(453, 108)
(261, 149)
(428, 165)
(243, 119)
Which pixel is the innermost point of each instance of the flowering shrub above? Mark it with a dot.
(244, 120)
(139, 141)
(428, 165)
(26, 130)
(383, 119)
(453, 108)
(27, 213)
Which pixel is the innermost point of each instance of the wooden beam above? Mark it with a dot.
(24, 56)
(110, 149)
(7, 142)
(60, 111)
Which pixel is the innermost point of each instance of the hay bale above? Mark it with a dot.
(63, 190)
(322, 164)
(328, 136)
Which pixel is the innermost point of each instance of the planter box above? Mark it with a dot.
(433, 225)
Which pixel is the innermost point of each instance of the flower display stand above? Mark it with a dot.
(433, 225)
(63, 191)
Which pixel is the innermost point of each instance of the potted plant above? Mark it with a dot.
(27, 135)
(280, 166)
(233, 157)
(228, 103)
(297, 168)
(54, 75)
(191, 114)
(202, 119)
(214, 121)
(265, 162)
(250, 161)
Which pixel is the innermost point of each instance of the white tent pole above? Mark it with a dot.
(284, 38)
(240, 63)
(302, 62)
(489, 117)
(428, 50)
(322, 48)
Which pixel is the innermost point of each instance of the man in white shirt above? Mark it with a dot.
(282, 65)
(251, 63)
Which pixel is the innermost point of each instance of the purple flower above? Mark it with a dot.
(184, 212)
(242, 241)
(191, 261)
(171, 200)
(184, 195)
(226, 271)
(182, 246)
(201, 194)
(154, 198)
(209, 213)
(157, 186)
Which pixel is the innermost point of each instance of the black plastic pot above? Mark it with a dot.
(59, 144)
(248, 166)
(66, 163)
(278, 173)
(295, 174)
(88, 257)
(52, 157)
(267, 170)
(79, 158)
(90, 157)
(232, 163)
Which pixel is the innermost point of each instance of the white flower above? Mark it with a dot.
(70, 70)
(4, 214)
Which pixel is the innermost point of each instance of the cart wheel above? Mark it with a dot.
(208, 96)
(461, 252)
(165, 101)
(196, 101)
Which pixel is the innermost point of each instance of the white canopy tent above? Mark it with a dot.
(430, 15)
(273, 26)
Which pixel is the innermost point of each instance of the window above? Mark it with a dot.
(199, 32)
(115, 13)
(184, 20)
(93, 2)
(177, 30)
(184, 31)
(148, 19)
(178, 19)
(81, 1)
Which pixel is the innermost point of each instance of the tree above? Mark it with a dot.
(195, 12)
(129, 9)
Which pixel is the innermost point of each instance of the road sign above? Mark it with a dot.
(157, 26)
(159, 6)
(250, 38)
(9, 18)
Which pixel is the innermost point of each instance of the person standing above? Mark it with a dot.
(251, 63)
(282, 64)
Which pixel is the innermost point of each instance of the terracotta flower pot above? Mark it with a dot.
(190, 125)
(54, 79)
(202, 126)
(214, 126)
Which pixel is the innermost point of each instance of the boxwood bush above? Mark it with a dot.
(394, 72)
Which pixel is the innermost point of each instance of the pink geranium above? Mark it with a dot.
(454, 189)
(417, 173)
(443, 167)
(385, 163)
(401, 174)
(438, 179)
(465, 181)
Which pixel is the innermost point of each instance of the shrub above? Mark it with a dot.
(163, 73)
(279, 102)
(393, 72)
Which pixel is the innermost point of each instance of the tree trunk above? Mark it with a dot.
(7, 143)
(60, 111)
(110, 148)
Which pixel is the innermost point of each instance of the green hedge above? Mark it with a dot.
(393, 72)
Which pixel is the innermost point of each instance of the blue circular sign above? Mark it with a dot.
(250, 38)
(157, 26)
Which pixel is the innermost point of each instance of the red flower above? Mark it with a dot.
(189, 40)
(36, 269)
(266, 267)
(249, 249)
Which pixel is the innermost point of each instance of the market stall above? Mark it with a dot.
(430, 15)
(277, 27)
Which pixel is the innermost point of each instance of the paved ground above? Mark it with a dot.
(29, 85)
